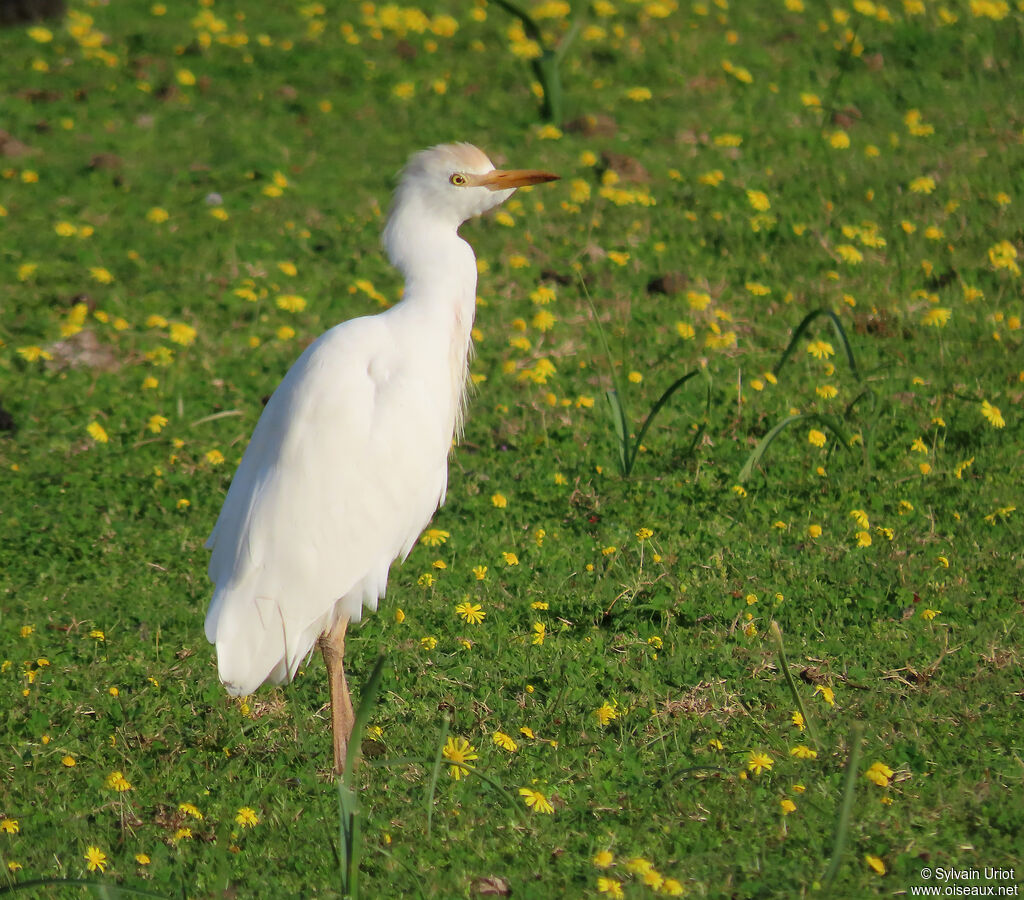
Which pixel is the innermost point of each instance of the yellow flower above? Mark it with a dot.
(69, 761)
(814, 531)
(97, 432)
(117, 782)
(182, 334)
(860, 517)
(95, 859)
(653, 879)
(472, 613)
(510, 558)
(936, 317)
(639, 94)
(499, 501)
(929, 614)
(638, 865)
(850, 254)
(479, 572)
(156, 423)
(214, 457)
(1004, 256)
(759, 200)
(9, 826)
(992, 415)
(539, 633)
(247, 817)
(157, 215)
(839, 140)
(504, 741)
(434, 537)
(925, 184)
(458, 751)
(605, 713)
(603, 859)
(190, 810)
(801, 751)
(611, 887)
(33, 353)
(101, 274)
(291, 303)
(185, 78)
(875, 863)
(579, 191)
(787, 806)
(820, 349)
(428, 643)
(738, 72)
(827, 694)
(543, 321)
(815, 437)
(759, 761)
(142, 859)
(536, 801)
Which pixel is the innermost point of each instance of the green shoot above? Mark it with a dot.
(546, 66)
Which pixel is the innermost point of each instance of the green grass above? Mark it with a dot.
(297, 134)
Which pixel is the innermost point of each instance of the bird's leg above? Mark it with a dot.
(332, 644)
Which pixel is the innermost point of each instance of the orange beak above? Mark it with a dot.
(505, 179)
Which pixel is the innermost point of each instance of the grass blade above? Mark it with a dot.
(432, 784)
(804, 325)
(350, 824)
(102, 890)
(765, 442)
(784, 664)
(662, 400)
(621, 426)
(620, 419)
(363, 712)
(845, 808)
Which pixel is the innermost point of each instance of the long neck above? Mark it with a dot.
(440, 286)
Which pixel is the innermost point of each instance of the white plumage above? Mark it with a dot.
(349, 460)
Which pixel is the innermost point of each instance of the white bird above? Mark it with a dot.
(349, 460)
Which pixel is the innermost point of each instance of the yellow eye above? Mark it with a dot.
(458, 179)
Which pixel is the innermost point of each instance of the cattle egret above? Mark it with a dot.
(349, 460)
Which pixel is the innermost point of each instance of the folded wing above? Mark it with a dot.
(344, 470)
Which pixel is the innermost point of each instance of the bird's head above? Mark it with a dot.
(455, 182)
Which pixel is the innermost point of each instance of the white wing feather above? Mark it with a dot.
(344, 470)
